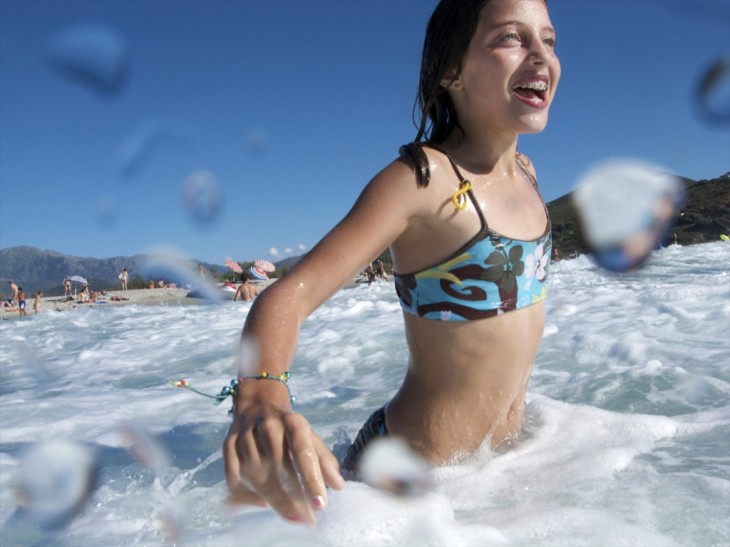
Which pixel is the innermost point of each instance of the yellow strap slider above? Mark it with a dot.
(459, 197)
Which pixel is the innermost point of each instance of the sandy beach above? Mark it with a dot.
(148, 297)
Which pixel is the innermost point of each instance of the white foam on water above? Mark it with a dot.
(627, 437)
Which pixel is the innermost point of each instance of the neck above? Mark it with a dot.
(482, 155)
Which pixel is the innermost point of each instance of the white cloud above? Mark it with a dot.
(274, 252)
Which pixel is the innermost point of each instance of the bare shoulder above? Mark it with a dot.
(398, 174)
(393, 191)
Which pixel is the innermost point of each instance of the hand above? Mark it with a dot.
(272, 457)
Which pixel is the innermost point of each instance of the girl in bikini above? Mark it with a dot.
(470, 240)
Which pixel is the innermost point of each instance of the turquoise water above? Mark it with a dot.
(627, 438)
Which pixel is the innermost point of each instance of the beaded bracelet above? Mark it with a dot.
(232, 388)
(283, 378)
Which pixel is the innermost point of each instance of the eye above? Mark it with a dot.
(550, 42)
(511, 37)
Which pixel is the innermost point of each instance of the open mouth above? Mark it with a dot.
(532, 91)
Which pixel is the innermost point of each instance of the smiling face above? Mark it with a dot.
(510, 71)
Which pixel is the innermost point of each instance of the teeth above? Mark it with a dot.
(539, 86)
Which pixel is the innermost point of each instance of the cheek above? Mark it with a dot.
(556, 72)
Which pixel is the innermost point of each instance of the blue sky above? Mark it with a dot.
(288, 108)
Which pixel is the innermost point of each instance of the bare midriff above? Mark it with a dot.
(465, 383)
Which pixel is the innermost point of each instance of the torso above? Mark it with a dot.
(466, 380)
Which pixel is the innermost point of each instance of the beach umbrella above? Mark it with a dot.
(77, 279)
(264, 265)
(258, 274)
(233, 265)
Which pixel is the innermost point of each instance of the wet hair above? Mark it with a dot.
(448, 34)
(449, 31)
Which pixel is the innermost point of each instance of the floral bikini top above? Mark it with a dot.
(491, 274)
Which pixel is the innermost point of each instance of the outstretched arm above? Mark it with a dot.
(271, 454)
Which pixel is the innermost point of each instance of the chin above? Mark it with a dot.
(535, 123)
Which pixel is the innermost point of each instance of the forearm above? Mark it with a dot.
(269, 338)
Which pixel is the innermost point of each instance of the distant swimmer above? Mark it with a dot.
(246, 291)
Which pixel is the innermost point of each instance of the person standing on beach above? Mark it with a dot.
(67, 287)
(13, 292)
(124, 278)
(20, 295)
(471, 243)
(37, 302)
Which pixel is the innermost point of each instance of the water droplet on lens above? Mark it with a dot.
(713, 93)
(203, 197)
(247, 357)
(105, 211)
(145, 449)
(141, 146)
(91, 54)
(255, 144)
(388, 464)
(54, 480)
(625, 208)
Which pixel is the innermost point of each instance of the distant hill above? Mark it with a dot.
(35, 269)
(705, 215)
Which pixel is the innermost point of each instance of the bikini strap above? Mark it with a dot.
(523, 166)
(465, 188)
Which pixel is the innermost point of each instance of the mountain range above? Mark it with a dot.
(704, 216)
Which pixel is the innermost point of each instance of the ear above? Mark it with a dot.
(451, 81)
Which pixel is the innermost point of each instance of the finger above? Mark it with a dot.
(241, 495)
(231, 463)
(329, 465)
(232, 467)
(288, 502)
(306, 459)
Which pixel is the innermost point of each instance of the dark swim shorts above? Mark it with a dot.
(374, 427)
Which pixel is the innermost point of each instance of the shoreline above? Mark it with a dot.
(150, 297)
(146, 297)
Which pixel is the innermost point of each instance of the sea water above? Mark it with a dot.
(626, 439)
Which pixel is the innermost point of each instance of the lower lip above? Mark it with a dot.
(534, 102)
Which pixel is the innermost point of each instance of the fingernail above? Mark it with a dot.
(318, 502)
(301, 519)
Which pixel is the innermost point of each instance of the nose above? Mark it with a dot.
(537, 51)
(536, 58)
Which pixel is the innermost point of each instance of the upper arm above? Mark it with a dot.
(383, 211)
